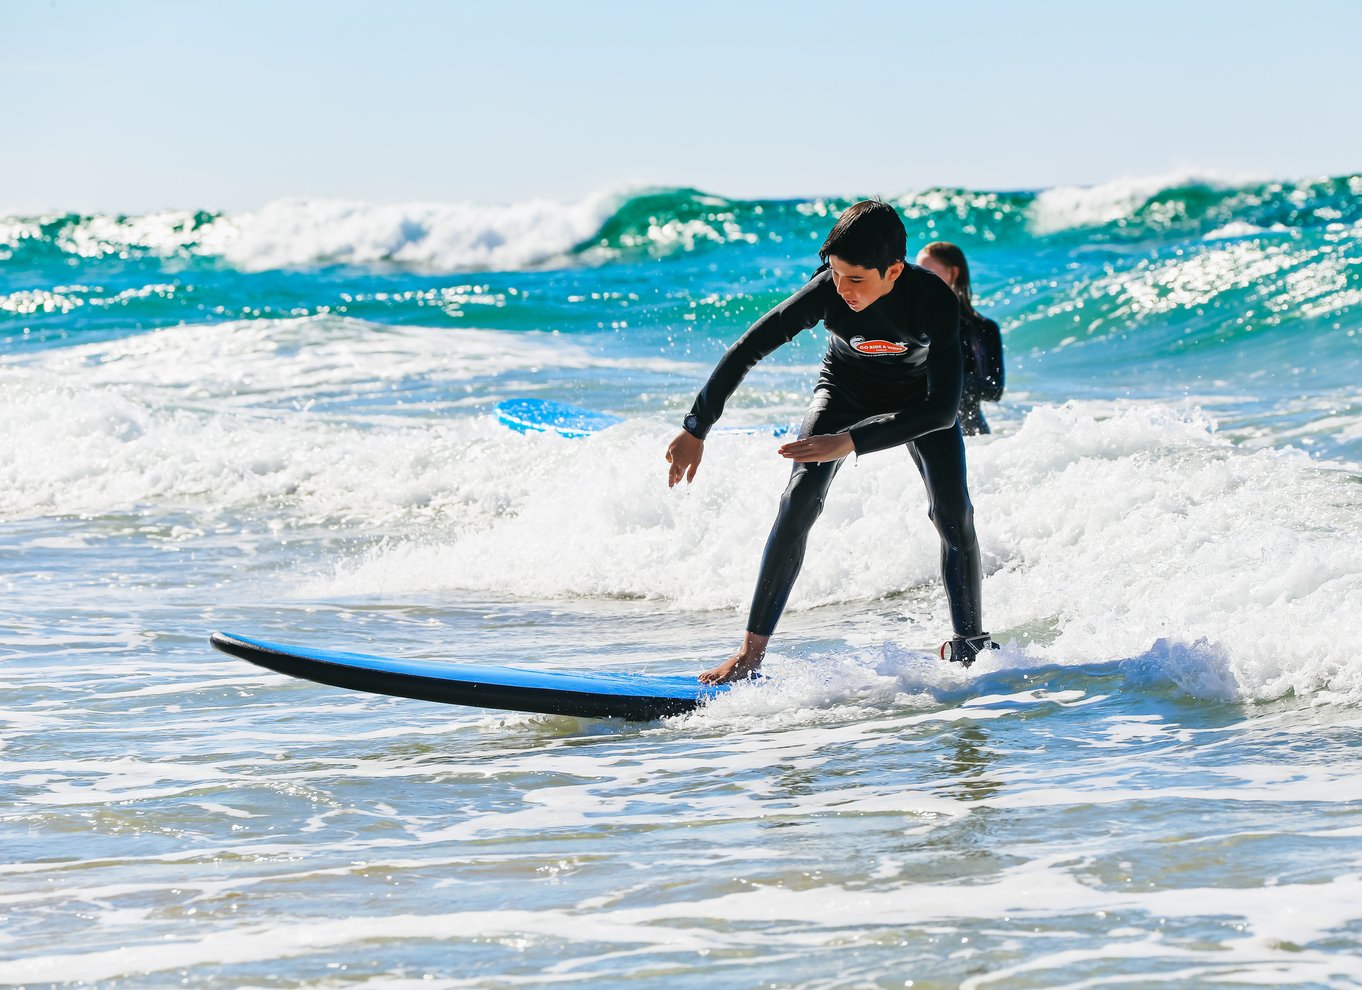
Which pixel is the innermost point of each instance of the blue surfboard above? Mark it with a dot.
(527, 415)
(585, 694)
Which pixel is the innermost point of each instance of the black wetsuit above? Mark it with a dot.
(982, 345)
(891, 376)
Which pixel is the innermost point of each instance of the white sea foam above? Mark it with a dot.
(1070, 207)
(297, 232)
(220, 414)
(1115, 533)
(431, 236)
(777, 919)
(1110, 532)
(1241, 228)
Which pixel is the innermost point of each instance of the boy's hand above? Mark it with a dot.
(825, 447)
(683, 454)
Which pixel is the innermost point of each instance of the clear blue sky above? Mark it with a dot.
(143, 104)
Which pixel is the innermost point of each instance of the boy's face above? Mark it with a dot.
(859, 287)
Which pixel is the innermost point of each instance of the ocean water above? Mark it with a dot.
(279, 423)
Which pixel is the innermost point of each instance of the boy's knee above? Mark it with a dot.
(954, 523)
(800, 507)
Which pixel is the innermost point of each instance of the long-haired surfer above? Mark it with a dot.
(981, 342)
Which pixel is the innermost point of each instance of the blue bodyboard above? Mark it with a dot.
(542, 416)
(585, 694)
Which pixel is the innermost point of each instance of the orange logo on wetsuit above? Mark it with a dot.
(877, 346)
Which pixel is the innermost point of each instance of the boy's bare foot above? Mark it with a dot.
(742, 664)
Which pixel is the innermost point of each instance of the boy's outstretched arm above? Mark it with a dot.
(797, 313)
(781, 325)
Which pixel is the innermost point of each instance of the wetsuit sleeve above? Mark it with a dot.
(938, 313)
(991, 341)
(781, 325)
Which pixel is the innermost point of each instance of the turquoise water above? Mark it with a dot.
(279, 423)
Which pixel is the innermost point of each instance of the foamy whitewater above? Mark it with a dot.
(281, 423)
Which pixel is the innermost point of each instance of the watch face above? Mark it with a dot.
(690, 422)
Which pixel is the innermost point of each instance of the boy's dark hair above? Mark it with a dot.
(869, 234)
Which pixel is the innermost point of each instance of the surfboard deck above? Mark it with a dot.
(584, 694)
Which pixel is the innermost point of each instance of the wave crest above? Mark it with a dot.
(661, 222)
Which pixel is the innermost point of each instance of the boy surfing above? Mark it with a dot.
(891, 377)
